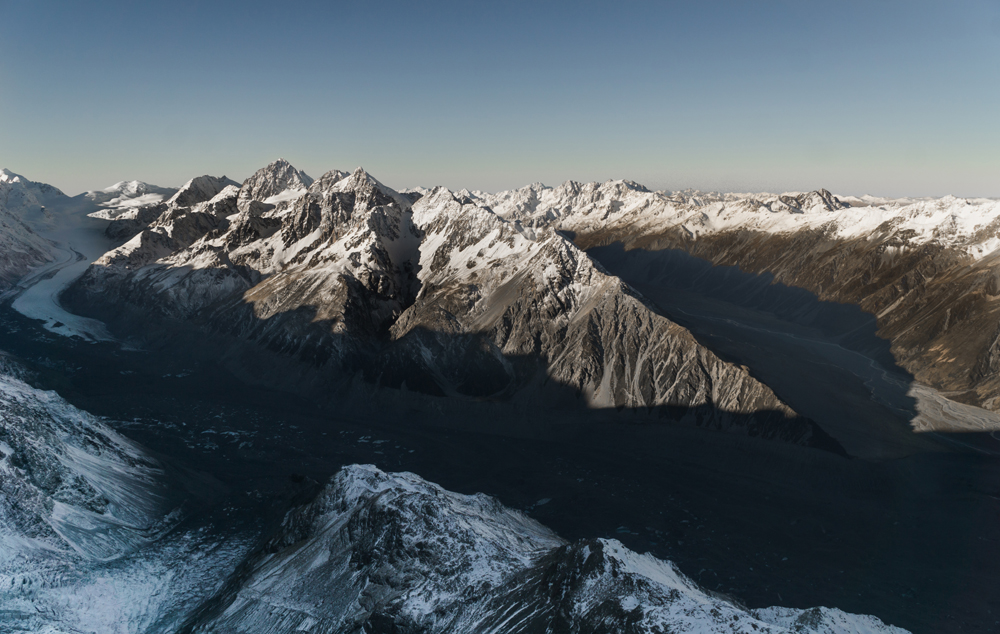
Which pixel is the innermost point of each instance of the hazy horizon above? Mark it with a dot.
(316, 175)
(895, 99)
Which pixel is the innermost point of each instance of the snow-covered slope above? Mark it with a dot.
(27, 200)
(124, 196)
(21, 248)
(390, 552)
(70, 482)
(968, 225)
(89, 537)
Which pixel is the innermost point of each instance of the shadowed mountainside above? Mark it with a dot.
(825, 359)
(934, 304)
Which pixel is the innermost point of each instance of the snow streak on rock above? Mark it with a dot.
(69, 481)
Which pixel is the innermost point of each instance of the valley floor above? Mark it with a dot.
(908, 538)
(37, 294)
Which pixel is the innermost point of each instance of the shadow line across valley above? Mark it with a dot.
(907, 535)
(822, 358)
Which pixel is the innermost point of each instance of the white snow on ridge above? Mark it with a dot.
(86, 519)
(285, 196)
(118, 198)
(110, 494)
(967, 224)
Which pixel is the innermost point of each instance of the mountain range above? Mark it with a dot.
(818, 329)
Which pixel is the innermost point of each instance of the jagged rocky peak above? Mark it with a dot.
(323, 184)
(624, 186)
(369, 189)
(271, 181)
(358, 182)
(222, 204)
(200, 189)
(391, 552)
(340, 201)
(818, 200)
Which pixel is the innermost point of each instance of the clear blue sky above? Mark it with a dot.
(890, 98)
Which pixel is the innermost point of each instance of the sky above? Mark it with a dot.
(881, 97)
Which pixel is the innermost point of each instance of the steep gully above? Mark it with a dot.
(772, 523)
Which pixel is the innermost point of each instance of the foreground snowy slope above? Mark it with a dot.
(85, 522)
(343, 276)
(70, 482)
(389, 552)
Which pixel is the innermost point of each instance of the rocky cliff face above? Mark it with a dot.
(443, 296)
(390, 552)
(495, 299)
(271, 182)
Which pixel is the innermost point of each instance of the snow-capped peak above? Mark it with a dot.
(200, 189)
(124, 194)
(281, 166)
(8, 176)
(327, 180)
(40, 190)
(361, 181)
(126, 187)
(272, 180)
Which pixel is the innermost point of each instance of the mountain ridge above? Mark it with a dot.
(351, 276)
